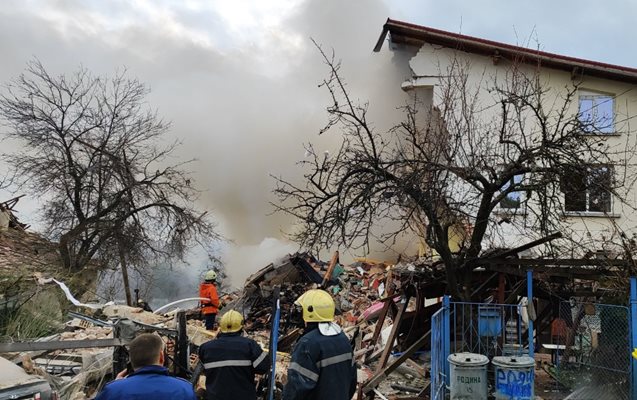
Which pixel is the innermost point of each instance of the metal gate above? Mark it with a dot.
(439, 352)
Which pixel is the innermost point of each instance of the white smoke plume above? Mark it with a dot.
(239, 80)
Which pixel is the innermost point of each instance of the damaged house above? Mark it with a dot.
(495, 110)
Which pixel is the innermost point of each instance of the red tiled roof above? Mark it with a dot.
(416, 35)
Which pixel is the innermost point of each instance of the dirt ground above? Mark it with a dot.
(546, 387)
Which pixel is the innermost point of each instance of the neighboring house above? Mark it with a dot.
(605, 105)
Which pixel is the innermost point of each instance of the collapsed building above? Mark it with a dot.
(385, 308)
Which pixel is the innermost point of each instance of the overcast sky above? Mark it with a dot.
(238, 79)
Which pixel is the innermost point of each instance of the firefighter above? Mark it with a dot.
(209, 306)
(231, 361)
(322, 365)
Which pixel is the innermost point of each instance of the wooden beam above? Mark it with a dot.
(484, 284)
(571, 262)
(380, 376)
(565, 272)
(513, 296)
(392, 336)
(330, 269)
(61, 345)
(527, 246)
(379, 324)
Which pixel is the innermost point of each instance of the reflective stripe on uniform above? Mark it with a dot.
(259, 359)
(228, 363)
(334, 360)
(304, 371)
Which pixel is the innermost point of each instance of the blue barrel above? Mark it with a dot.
(514, 378)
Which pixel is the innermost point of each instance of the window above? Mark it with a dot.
(513, 200)
(587, 189)
(596, 112)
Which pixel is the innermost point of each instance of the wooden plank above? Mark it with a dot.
(558, 272)
(379, 325)
(570, 262)
(392, 336)
(330, 269)
(381, 375)
(60, 345)
(530, 245)
(513, 296)
(484, 284)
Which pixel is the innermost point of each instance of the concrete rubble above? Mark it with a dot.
(369, 296)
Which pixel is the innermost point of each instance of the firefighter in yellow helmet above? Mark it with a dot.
(322, 364)
(231, 361)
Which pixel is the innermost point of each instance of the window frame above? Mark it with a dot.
(587, 199)
(521, 208)
(590, 128)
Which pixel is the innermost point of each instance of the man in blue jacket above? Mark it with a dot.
(231, 361)
(322, 365)
(149, 380)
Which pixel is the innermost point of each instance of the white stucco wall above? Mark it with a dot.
(430, 65)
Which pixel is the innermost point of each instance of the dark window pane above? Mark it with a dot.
(574, 188)
(599, 183)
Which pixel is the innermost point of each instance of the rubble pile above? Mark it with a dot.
(355, 289)
(372, 299)
(361, 291)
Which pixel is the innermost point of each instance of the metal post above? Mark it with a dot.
(274, 338)
(633, 336)
(446, 336)
(182, 347)
(529, 296)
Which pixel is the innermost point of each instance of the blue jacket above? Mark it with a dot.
(230, 363)
(321, 368)
(150, 382)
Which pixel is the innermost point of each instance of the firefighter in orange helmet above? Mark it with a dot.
(209, 306)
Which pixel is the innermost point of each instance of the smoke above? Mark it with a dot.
(238, 82)
(243, 260)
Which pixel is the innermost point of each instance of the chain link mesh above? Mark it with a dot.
(594, 350)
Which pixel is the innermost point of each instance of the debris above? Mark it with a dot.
(69, 296)
(371, 303)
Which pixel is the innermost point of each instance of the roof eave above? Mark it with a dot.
(405, 33)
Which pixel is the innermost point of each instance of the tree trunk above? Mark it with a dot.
(65, 254)
(124, 265)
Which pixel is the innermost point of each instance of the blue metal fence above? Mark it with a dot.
(633, 336)
(505, 329)
(488, 329)
(438, 355)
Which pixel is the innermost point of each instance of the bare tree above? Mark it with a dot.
(99, 159)
(452, 168)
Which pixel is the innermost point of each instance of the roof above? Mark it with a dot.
(416, 35)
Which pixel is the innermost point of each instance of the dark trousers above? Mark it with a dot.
(210, 320)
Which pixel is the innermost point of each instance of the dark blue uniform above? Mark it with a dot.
(321, 368)
(230, 363)
(150, 382)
